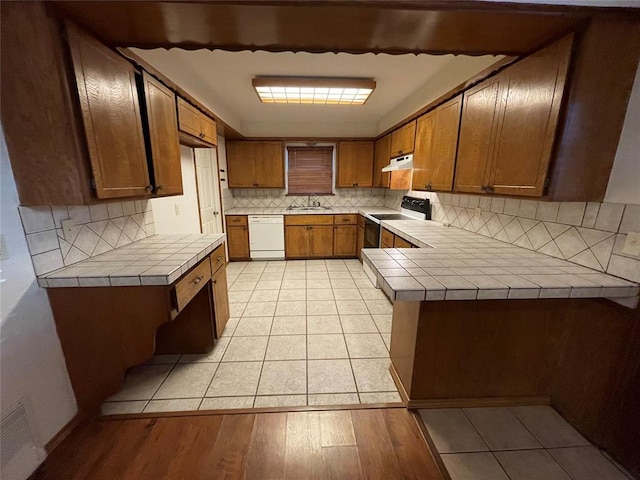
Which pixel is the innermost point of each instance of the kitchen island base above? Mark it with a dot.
(580, 355)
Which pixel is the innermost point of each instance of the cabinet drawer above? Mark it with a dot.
(217, 258)
(191, 283)
(308, 220)
(387, 237)
(348, 219)
(236, 220)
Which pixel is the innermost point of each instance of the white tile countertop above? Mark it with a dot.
(454, 264)
(156, 260)
(362, 210)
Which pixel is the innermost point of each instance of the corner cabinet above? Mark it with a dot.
(513, 116)
(110, 110)
(163, 142)
(436, 144)
(355, 164)
(255, 164)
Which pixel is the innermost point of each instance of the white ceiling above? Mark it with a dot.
(222, 81)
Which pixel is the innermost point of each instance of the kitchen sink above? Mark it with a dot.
(293, 207)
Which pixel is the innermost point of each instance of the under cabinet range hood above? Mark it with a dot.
(404, 162)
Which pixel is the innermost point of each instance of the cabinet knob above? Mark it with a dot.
(489, 189)
(148, 187)
(197, 280)
(159, 187)
(219, 258)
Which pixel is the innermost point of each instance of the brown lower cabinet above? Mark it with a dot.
(360, 237)
(345, 240)
(389, 240)
(238, 237)
(320, 236)
(220, 299)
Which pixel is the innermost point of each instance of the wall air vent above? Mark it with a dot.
(20, 455)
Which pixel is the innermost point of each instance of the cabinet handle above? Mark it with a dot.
(148, 187)
(489, 189)
(197, 280)
(219, 258)
(159, 187)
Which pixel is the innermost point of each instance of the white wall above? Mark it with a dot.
(32, 362)
(164, 209)
(624, 182)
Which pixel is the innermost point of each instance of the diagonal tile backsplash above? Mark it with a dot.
(96, 229)
(588, 234)
(277, 198)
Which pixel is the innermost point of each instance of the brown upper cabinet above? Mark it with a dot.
(382, 155)
(436, 144)
(402, 139)
(355, 164)
(81, 124)
(255, 164)
(160, 108)
(195, 123)
(508, 125)
(110, 110)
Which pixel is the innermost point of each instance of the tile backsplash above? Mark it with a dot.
(96, 229)
(277, 198)
(589, 234)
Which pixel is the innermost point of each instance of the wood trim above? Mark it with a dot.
(240, 411)
(479, 402)
(399, 385)
(224, 129)
(64, 432)
(432, 446)
(467, 84)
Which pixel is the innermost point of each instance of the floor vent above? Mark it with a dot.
(19, 453)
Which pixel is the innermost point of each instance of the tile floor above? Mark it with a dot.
(308, 332)
(516, 443)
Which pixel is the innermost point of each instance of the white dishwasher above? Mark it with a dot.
(266, 236)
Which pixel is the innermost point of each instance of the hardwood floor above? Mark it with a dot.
(340, 444)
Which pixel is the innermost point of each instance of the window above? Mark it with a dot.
(310, 170)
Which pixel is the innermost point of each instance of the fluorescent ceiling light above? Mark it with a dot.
(314, 90)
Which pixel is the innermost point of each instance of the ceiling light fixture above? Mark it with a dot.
(314, 90)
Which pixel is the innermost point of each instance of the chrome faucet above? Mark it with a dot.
(315, 203)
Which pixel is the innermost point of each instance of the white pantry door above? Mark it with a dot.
(208, 190)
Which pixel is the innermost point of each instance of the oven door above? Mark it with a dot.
(371, 234)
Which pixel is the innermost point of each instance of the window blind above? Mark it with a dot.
(310, 170)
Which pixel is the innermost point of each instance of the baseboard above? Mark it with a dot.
(396, 379)
(239, 411)
(63, 433)
(478, 402)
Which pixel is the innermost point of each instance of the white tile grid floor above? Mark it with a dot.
(515, 443)
(307, 332)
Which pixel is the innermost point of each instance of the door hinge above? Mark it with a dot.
(92, 182)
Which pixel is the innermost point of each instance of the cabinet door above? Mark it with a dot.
(321, 241)
(296, 241)
(345, 240)
(422, 155)
(220, 300)
(111, 114)
(445, 145)
(531, 96)
(347, 164)
(189, 118)
(209, 131)
(399, 242)
(238, 241)
(402, 139)
(364, 164)
(269, 165)
(160, 105)
(241, 165)
(360, 242)
(382, 155)
(477, 130)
